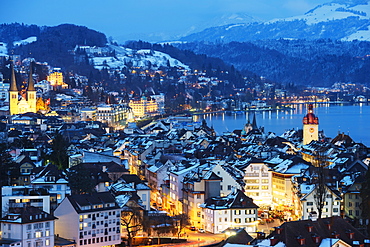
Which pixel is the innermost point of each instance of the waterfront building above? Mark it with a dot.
(144, 107)
(113, 115)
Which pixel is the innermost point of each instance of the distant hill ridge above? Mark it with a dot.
(338, 20)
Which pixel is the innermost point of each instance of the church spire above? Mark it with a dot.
(254, 122)
(31, 84)
(13, 82)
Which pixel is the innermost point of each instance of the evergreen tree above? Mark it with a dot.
(80, 181)
(59, 156)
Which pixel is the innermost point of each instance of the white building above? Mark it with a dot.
(309, 208)
(28, 227)
(4, 89)
(236, 210)
(90, 220)
(21, 196)
(258, 183)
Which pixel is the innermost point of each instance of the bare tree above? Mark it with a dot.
(321, 188)
(182, 220)
(131, 221)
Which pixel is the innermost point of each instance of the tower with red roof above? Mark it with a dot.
(310, 126)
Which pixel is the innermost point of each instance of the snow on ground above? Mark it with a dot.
(3, 49)
(25, 41)
(363, 35)
(329, 12)
(140, 58)
(235, 25)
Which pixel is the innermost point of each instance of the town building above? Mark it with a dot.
(27, 227)
(56, 79)
(27, 103)
(310, 126)
(89, 220)
(235, 210)
(144, 106)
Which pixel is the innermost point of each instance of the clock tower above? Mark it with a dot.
(310, 126)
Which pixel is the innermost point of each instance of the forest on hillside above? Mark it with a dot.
(305, 62)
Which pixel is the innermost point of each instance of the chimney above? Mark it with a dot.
(278, 230)
(104, 168)
(335, 234)
(309, 227)
(316, 238)
(274, 241)
(301, 240)
(328, 225)
(350, 234)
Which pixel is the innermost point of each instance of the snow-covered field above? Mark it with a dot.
(139, 58)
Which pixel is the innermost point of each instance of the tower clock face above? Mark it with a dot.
(312, 130)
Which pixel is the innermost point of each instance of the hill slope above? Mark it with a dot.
(338, 20)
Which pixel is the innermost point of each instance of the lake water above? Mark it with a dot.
(353, 120)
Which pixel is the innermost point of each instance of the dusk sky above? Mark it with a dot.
(132, 19)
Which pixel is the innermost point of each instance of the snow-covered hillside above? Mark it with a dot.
(331, 12)
(25, 41)
(139, 58)
(339, 20)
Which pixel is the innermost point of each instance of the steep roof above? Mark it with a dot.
(28, 214)
(31, 84)
(91, 202)
(234, 200)
(333, 227)
(13, 82)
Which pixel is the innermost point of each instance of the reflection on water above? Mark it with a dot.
(350, 119)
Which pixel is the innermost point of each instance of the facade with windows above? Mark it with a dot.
(89, 220)
(352, 201)
(234, 211)
(28, 226)
(331, 205)
(21, 196)
(113, 115)
(258, 183)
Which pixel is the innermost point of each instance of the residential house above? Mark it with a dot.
(235, 210)
(89, 220)
(27, 226)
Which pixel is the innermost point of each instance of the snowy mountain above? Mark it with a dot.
(340, 20)
(138, 58)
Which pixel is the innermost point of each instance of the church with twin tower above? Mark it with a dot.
(310, 126)
(27, 101)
